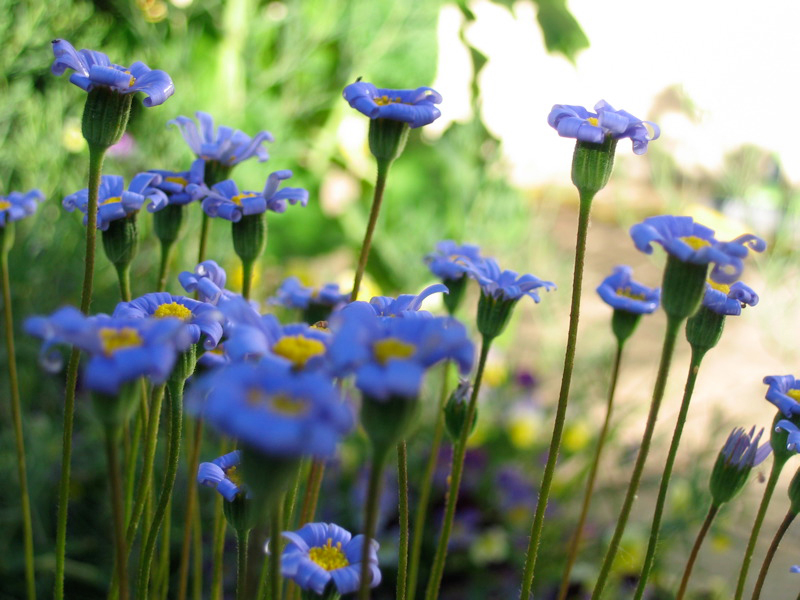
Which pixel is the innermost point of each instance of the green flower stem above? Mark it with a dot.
(204, 227)
(670, 337)
(377, 199)
(163, 266)
(420, 515)
(242, 539)
(124, 277)
(96, 155)
(370, 520)
(197, 557)
(773, 548)
(691, 379)
(175, 394)
(402, 486)
(217, 548)
(16, 415)
(275, 550)
(456, 470)
(687, 572)
(112, 435)
(774, 474)
(162, 579)
(574, 544)
(563, 396)
(292, 591)
(247, 277)
(191, 504)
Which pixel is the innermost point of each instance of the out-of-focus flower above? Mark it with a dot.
(735, 461)
(226, 201)
(208, 281)
(728, 300)
(322, 554)
(293, 294)
(224, 145)
(415, 107)
(450, 260)
(621, 292)
(504, 284)
(124, 147)
(18, 205)
(92, 69)
(180, 187)
(405, 304)
(221, 474)
(114, 201)
(784, 392)
(578, 123)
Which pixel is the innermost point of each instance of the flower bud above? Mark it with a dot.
(734, 463)
(704, 328)
(121, 241)
(683, 287)
(250, 237)
(592, 165)
(167, 223)
(623, 324)
(456, 288)
(455, 411)
(105, 116)
(387, 139)
(494, 314)
(240, 513)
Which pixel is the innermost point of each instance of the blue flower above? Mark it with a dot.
(405, 305)
(93, 69)
(728, 299)
(114, 201)
(784, 392)
(389, 357)
(694, 243)
(120, 350)
(415, 107)
(321, 553)
(272, 408)
(621, 292)
(293, 294)
(208, 282)
(226, 201)
(179, 187)
(221, 474)
(223, 145)
(200, 318)
(505, 285)
(741, 449)
(17, 205)
(793, 438)
(794, 569)
(450, 260)
(578, 123)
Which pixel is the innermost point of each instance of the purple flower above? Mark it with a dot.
(578, 123)
(415, 107)
(405, 304)
(223, 145)
(221, 474)
(17, 205)
(784, 392)
(450, 260)
(505, 285)
(226, 201)
(181, 187)
(728, 299)
(621, 292)
(93, 69)
(293, 294)
(207, 281)
(114, 201)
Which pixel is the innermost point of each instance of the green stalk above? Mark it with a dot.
(670, 336)
(572, 553)
(402, 487)
(773, 548)
(563, 397)
(217, 548)
(242, 538)
(197, 557)
(377, 199)
(204, 227)
(191, 504)
(124, 277)
(163, 267)
(247, 277)
(370, 520)
(117, 508)
(162, 577)
(459, 452)
(687, 572)
(276, 545)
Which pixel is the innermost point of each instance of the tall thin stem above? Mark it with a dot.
(201, 251)
(276, 544)
(572, 553)
(117, 509)
(370, 520)
(773, 548)
(217, 548)
(377, 199)
(242, 538)
(124, 277)
(402, 492)
(191, 504)
(247, 277)
(670, 336)
(687, 572)
(163, 266)
(563, 397)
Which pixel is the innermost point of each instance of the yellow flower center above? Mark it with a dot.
(281, 404)
(386, 350)
(298, 349)
(4, 205)
(112, 339)
(629, 293)
(237, 200)
(593, 121)
(722, 287)
(112, 200)
(695, 243)
(172, 309)
(234, 476)
(384, 100)
(178, 180)
(329, 557)
(133, 79)
(794, 394)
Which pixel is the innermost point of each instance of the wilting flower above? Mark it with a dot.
(415, 107)
(578, 123)
(735, 461)
(208, 281)
(94, 69)
(320, 554)
(621, 292)
(728, 300)
(179, 187)
(505, 285)
(405, 304)
(114, 201)
(226, 201)
(224, 145)
(17, 205)
(221, 474)
(450, 260)
(293, 294)
(784, 392)
(692, 242)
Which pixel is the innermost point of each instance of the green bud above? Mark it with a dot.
(592, 165)
(735, 461)
(704, 328)
(456, 295)
(6, 238)
(105, 116)
(387, 422)
(113, 411)
(623, 324)
(493, 315)
(168, 222)
(121, 241)
(184, 365)
(240, 513)
(250, 236)
(455, 411)
(387, 139)
(683, 287)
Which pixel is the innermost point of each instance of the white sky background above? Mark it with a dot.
(735, 60)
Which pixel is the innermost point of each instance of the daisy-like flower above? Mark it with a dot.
(784, 392)
(405, 305)
(293, 294)
(221, 474)
(93, 69)
(322, 554)
(224, 145)
(728, 300)
(578, 123)
(114, 201)
(449, 261)
(504, 284)
(737, 458)
(226, 201)
(17, 205)
(179, 187)
(208, 282)
(621, 292)
(415, 107)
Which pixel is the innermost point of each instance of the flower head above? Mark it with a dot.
(621, 292)
(738, 456)
(224, 145)
(692, 242)
(114, 201)
(784, 392)
(728, 299)
(293, 294)
(793, 437)
(207, 281)
(93, 69)
(226, 201)
(450, 260)
(405, 305)
(221, 474)
(415, 107)
(505, 285)
(320, 554)
(17, 205)
(179, 187)
(578, 123)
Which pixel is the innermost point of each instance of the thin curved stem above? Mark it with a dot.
(687, 572)
(773, 548)
(191, 504)
(370, 520)
(572, 553)
(242, 538)
(563, 398)
(402, 491)
(377, 199)
(112, 435)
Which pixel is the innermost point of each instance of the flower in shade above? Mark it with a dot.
(119, 349)
(223, 144)
(621, 292)
(728, 300)
(17, 205)
(293, 294)
(415, 107)
(784, 392)
(221, 474)
(200, 318)
(93, 69)
(320, 554)
(505, 285)
(114, 201)
(578, 123)
(226, 201)
(272, 408)
(694, 243)
(180, 187)
(450, 260)
(405, 304)
(737, 458)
